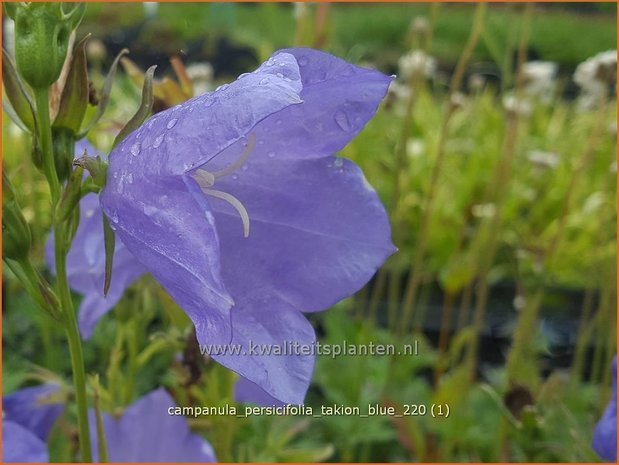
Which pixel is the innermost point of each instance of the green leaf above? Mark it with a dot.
(16, 93)
(74, 99)
(109, 239)
(105, 95)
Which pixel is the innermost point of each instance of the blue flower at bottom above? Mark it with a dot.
(28, 417)
(605, 434)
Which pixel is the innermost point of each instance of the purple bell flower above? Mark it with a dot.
(147, 432)
(236, 204)
(605, 434)
(28, 417)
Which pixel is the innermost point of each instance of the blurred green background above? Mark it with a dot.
(503, 206)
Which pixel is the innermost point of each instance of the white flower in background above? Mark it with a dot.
(484, 210)
(539, 79)
(416, 63)
(594, 76)
(415, 147)
(201, 75)
(476, 82)
(515, 105)
(399, 91)
(541, 159)
(150, 9)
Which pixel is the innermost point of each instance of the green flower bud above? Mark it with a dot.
(42, 32)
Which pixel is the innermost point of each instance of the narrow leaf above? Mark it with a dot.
(8, 109)
(109, 239)
(74, 99)
(105, 95)
(144, 110)
(16, 92)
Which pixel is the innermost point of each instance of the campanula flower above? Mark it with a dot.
(28, 416)
(605, 434)
(86, 261)
(146, 432)
(236, 203)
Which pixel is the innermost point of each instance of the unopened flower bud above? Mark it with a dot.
(42, 33)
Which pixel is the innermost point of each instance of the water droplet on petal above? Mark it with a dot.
(271, 155)
(338, 162)
(187, 166)
(303, 61)
(341, 119)
(235, 177)
(280, 75)
(135, 149)
(115, 175)
(129, 178)
(209, 102)
(264, 81)
(157, 142)
(172, 123)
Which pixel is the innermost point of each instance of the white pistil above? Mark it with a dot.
(206, 180)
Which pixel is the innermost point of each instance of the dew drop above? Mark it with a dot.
(135, 149)
(115, 175)
(158, 141)
(341, 119)
(172, 123)
(129, 178)
(338, 162)
(209, 102)
(235, 177)
(280, 75)
(264, 81)
(303, 61)
(244, 167)
(187, 166)
(271, 155)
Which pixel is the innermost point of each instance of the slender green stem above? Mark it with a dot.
(415, 276)
(75, 343)
(45, 139)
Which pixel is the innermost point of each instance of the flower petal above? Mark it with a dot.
(318, 231)
(186, 136)
(338, 100)
(146, 432)
(21, 446)
(263, 322)
(33, 409)
(174, 237)
(246, 391)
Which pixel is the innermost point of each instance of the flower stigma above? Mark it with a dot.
(206, 180)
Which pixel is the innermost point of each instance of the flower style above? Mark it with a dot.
(605, 434)
(146, 432)
(28, 417)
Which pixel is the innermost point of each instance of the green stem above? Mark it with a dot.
(45, 139)
(75, 344)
